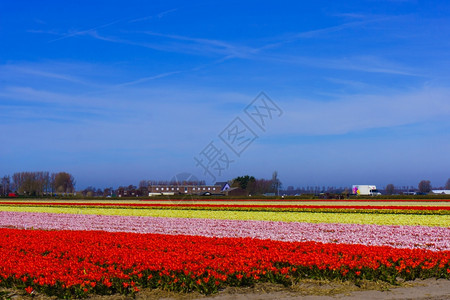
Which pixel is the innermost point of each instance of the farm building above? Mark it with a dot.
(446, 192)
(175, 189)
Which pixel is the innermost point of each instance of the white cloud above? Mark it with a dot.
(48, 71)
(361, 112)
(361, 63)
(145, 79)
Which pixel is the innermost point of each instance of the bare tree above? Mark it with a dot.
(64, 183)
(108, 192)
(276, 183)
(263, 186)
(6, 185)
(120, 191)
(425, 186)
(447, 184)
(31, 183)
(89, 191)
(390, 189)
(143, 188)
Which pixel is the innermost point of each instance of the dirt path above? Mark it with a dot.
(430, 289)
(419, 289)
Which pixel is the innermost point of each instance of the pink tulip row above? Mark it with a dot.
(423, 237)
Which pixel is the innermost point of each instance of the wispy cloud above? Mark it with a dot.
(27, 105)
(281, 40)
(39, 21)
(13, 70)
(42, 96)
(207, 45)
(232, 50)
(367, 63)
(350, 15)
(327, 30)
(159, 16)
(346, 82)
(40, 31)
(50, 72)
(203, 46)
(356, 113)
(144, 79)
(195, 46)
(93, 30)
(227, 50)
(94, 34)
(83, 32)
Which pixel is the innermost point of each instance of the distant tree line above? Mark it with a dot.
(424, 187)
(37, 183)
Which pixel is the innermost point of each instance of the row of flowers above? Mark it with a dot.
(373, 200)
(328, 216)
(232, 206)
(76, 263)
(424, 237)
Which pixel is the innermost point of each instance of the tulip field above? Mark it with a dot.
(75, 248)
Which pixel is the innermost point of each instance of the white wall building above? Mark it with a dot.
(445, 192)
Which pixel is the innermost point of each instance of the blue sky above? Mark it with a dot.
(115, 92)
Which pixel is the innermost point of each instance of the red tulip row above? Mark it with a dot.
(250, 206)
(76, 263)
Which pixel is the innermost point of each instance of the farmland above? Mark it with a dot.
(79, 248)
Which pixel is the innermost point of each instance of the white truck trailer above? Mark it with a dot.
(365, 190)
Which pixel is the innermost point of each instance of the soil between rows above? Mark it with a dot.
(305, 289)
